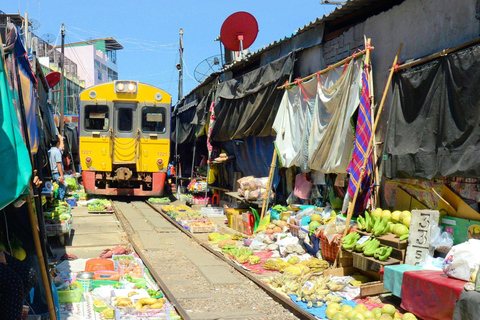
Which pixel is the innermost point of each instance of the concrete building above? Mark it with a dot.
(96, 60)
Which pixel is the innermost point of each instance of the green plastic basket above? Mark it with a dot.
(140, 283)
(101, 283)
(71, 296)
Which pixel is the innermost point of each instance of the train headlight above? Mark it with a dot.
(88, 160)
(125, 86)
(120, 87)
(160, 162)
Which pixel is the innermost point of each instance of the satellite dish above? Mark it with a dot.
(53, 78)
(239, 31)
(34, 24)
(48, 37)
(207, 67)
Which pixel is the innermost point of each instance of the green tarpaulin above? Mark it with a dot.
(15, 159)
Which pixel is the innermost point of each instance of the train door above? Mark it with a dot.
(125, 136)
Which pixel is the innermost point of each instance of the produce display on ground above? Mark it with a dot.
(100, 205)
(133, 296)
(159, 200)
(190, 219)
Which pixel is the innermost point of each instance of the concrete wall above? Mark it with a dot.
(84, 57)
(423, 26)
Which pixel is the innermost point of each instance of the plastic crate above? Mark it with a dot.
(203, 228)
(71, 296)
(151, 314)
(57, 229)
(134, 267)
(330, 250)
(212, 211)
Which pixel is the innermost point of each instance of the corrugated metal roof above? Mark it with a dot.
(349, 7)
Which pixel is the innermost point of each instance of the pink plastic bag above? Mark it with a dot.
(303, 187)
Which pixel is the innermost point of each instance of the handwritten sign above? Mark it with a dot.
(419, 239)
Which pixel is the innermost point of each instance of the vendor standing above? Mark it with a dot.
(56, 164)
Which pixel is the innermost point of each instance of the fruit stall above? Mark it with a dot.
(117, 285)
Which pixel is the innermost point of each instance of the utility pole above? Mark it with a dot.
(27, 43)
(62, 80)
(180, 95)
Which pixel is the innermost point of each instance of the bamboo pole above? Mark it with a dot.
(269, 183)
(346, 60)
(362, 171)
(40, 257)
(438, 54)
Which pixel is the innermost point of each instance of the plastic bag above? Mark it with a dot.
(462, 260)
(441, 239)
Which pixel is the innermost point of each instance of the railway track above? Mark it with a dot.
(200, 282)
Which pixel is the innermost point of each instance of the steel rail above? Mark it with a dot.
(288, 304)
(171, 298)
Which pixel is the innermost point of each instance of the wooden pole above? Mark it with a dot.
(40, 257)
(269, 183)
(362, 171)
(339, 63)
(62, 81)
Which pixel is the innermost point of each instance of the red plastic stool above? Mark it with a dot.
(216, 198)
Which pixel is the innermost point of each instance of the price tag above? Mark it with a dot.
(363, 239)
(308, 285)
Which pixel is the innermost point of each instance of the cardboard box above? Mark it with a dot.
(248, 223)
(405, 201)
(237, 222)
(452, 205)
(462, 229)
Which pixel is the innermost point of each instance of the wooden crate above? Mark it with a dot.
(366, 289)
(345, 258)
(388, 239)
(365, 263)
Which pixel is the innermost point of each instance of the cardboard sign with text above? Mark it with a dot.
(420, 232)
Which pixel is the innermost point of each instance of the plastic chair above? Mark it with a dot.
(216, 199)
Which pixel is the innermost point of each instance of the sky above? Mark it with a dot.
(149, 30)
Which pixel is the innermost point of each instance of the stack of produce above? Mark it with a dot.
(100, 205)
(380, 222)
(293, 265)
(159, 200)
(277, 226)
(337, 311)
(58, 217)
(370, 247)
(197, 186)
(253, 189)
(315, 290)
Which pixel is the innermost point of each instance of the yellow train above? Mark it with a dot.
(124, 131)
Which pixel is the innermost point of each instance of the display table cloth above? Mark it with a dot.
(430, 295)
(393, 277)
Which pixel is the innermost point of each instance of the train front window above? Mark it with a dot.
(153, 119)
(96, 117)
(125, 119)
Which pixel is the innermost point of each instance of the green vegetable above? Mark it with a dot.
(72, 183)
(279, 208)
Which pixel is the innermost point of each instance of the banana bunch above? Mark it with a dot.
(361, 247)
(383, 253)
(316, 265)
(123, 302)
(349, 241)
(371, 247)
(238, 236)
(380, 226)
(149, 303)
(335, 286)
(332, 219)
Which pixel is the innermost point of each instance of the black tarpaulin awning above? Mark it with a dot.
(247, 106)
(434, 124)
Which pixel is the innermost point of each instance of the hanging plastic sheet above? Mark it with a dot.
(15, 157)
(247, 106)
(28, 84)
(434, 124)
(325, 105)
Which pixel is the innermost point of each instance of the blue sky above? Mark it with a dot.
(148, 29)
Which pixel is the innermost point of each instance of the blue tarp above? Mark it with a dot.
(320, 311)
(253, 156)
